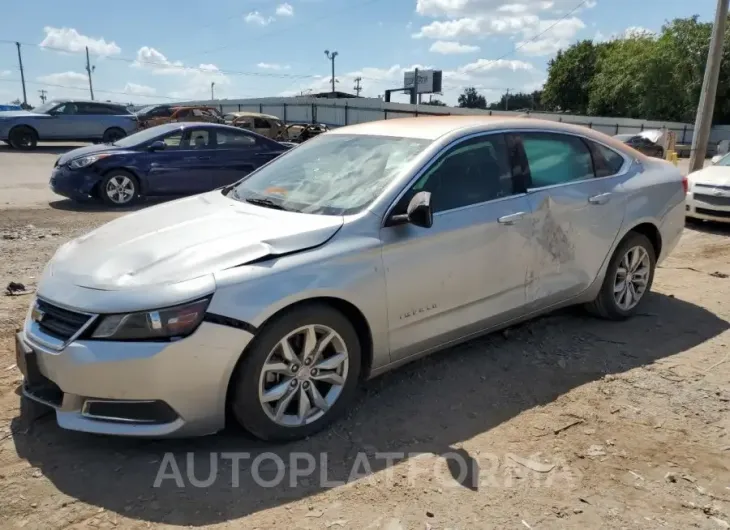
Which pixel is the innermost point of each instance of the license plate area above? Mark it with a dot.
(36, 384)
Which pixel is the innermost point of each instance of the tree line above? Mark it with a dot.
(640, 75)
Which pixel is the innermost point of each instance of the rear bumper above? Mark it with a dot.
(143, 389)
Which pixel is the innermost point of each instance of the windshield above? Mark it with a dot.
(330, 175)
(43, 109)
(147, 109)
(141, 137)
(724, 161)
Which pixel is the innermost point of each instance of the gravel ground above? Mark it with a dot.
(563, 422)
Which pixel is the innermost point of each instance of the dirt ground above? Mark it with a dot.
(564, 422)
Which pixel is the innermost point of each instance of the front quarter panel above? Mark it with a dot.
(348, 267)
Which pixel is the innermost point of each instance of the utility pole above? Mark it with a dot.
(506, 100)
(43, 93)
(212, 90)
(706, 105)
(357, 86)
(90, 69)
(331, 57)
(22, 75)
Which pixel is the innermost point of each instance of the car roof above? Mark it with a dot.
(71, 100)
(240, 114)
(435, 127)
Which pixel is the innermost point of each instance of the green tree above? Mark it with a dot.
(435, 103)
(569, 78)
(519, 101)
(471, 99)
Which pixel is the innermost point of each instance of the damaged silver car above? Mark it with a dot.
(367, 247)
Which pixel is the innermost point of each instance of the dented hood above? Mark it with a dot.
(185, 239)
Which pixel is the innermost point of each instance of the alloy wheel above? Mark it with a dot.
(120, 189)
(632, 277)
(303, 375)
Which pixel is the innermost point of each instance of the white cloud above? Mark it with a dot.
(285, 10)
(254, 17)
(69, 79)
(70, 40)
(273, 66)
(549, 36)
(451, 47)
(139, 90)
(5, 73)
(194, 80)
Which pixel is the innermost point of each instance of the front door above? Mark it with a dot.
(465, 273)
(576, 216)
(185, 165)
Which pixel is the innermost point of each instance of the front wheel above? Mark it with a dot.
(628, 279)
(23, 138)
(300, 374)
(119, 188)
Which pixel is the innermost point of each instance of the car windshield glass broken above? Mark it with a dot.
(332, 175)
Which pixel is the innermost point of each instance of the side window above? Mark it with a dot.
(260, 123)
(66, 109)
(183, 113)
(173, 141)
(91, 109)
(234, 140)
(556, 158)
(471, 172)
(200, 139)
(606, 162)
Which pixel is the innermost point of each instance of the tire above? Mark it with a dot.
(23, 138)
(113, 134)
(249, 383)
(126, 186)
(606, 305)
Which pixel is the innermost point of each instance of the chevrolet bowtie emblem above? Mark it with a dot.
(37, 314)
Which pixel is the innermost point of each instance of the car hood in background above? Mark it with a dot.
(86, 151)
(713, 175)
(183, 240)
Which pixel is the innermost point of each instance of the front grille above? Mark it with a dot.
(59, 322)
(712, 199)
(154, 412)
(715, 213)
(711, 186)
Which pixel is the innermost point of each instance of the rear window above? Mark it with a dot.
(606, 161)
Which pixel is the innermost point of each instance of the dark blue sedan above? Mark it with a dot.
(172, 159)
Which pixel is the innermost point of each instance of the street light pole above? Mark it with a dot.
(706, 106)
(212, 90)
(331, 57)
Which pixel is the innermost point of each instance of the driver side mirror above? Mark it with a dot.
(418, 213)
(157, 145)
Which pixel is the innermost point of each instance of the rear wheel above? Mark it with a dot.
(119, 188)
(300, 374)
(628, 279)
(113, 134)
(23, 138)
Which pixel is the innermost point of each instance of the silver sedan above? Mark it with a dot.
(360, 250)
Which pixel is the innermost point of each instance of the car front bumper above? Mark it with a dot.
(709, 205)
(144, 389)
(77, 184)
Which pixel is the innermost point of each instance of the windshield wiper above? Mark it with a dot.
(266, 203)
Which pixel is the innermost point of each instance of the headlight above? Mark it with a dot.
(84, 161)
(178, 321)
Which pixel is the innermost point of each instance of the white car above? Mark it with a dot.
(708, 196)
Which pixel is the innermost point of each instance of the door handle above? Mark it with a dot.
(510, 219)
(603, 198)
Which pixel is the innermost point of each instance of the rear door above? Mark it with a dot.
(576, 215)
(185, 166)
(238, 153)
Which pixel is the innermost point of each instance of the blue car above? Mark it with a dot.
(171, 159)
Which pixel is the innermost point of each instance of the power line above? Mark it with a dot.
(119, 93)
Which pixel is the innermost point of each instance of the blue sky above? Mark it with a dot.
(160, 51)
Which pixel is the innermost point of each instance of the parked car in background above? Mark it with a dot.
(171, 159)
(66, 120)
(708, 196)
(264, 124)
(161, 114)
(301, 132)
(642, 144)
(272, 299)
(10, 107)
